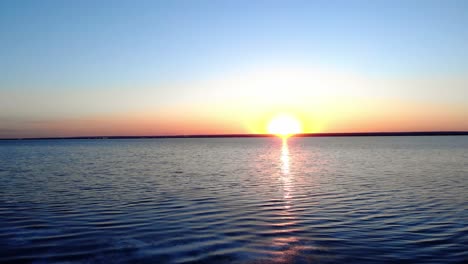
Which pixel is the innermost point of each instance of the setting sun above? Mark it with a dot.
(284, 126)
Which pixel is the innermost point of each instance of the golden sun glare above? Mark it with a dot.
(284, 125)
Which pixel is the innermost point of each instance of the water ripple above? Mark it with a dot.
(341, 200)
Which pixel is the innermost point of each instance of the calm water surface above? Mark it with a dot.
(238, 200)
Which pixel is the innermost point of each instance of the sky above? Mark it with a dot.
(107, 68)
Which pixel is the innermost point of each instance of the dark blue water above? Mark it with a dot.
(246, 200)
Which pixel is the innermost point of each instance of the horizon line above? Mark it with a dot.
(342, 134)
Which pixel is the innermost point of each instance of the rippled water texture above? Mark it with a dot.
(238, 200)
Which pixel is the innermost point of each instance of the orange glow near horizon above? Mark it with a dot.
(235, 117)
(284, 126)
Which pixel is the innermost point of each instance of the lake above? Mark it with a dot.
(235, 200)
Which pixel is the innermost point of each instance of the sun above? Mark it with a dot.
(284, 126)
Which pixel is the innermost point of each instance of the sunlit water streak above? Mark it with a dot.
(300, 200)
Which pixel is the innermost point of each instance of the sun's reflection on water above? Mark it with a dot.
(286, 240)
(285, 157)
(285, 175)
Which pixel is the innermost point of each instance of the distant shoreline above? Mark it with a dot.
(357, 134)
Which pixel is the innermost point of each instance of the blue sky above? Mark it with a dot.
(88, 46)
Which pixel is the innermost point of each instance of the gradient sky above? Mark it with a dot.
(92, 68)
